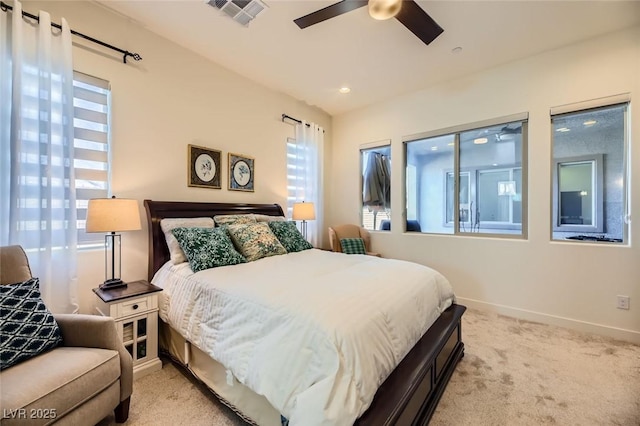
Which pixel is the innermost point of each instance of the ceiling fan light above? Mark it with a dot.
(384, 9)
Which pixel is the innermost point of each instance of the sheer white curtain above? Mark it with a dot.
(37, 152)
(310, 145)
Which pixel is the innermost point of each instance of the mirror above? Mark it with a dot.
(577, 185)
(578, 194)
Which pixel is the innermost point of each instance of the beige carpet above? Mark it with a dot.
(514, 373)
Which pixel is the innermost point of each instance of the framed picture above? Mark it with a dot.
(241, 172)
(204, 167)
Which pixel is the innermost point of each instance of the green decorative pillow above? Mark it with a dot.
(207, 248)
(255, 241)
(353, 246)
(289, 236)
(233, 219)
(176, 253)
(27, 328)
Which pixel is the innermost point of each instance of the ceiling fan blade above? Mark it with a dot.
(329, 12)
(418, 21)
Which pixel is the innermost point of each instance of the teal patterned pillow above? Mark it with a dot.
(207, 248)
(289, 236)
(255, 241)
(233, 219)
(353, 246)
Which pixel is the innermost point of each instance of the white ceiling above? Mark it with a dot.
(377, 59)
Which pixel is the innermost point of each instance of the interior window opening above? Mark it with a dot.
(375, 165)
(589, 200)
(469, 181)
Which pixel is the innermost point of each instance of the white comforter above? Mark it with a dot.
(315, 332)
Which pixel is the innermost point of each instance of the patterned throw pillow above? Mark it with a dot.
(353, 246)
(289, 236)
(255, 241)
(167, 225)
(207, 248)
(27, 328)
(234, 219)
(268, 218)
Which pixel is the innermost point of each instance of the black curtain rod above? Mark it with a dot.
(288, 117)
(285, 117)
(5, 7)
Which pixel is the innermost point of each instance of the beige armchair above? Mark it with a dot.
(339, 232)
(82, 381)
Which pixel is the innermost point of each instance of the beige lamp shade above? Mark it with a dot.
(303, 211)
(113, 215)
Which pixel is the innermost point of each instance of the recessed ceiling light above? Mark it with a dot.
(345, 89)
(456, 50)
(495, 164)
(451, 144)
(434, 148)
(589, 122)
(563, 129)
(480, 141)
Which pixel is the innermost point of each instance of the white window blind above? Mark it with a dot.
(295, 173)
(91, 101)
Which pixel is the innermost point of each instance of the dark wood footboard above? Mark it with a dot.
(411, 393)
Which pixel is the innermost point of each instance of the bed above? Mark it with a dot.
(408, 395)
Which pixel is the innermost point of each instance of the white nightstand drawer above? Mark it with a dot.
(133, 306)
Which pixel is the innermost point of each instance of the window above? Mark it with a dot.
(589, 201)
(487, 197)
(305, 155)
(375, 166)
(88, 163)
(295, 181)
(91, 101)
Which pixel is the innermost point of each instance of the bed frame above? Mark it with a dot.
(410, 394)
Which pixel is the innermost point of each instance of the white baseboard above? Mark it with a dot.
(147, 368)
(603, 330)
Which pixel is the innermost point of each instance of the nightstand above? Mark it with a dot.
(135, 310)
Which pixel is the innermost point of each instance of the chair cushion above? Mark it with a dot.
(27, 328)
(353, 246)
(63, 378)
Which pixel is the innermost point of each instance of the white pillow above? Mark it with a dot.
(177, 255)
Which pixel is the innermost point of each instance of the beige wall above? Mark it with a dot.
(562, 283)
(172, 98)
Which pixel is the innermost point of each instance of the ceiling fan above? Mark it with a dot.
(508, 133)
(408, 12)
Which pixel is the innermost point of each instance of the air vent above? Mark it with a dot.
(242, 11)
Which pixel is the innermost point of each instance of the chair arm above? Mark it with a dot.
(93, 331)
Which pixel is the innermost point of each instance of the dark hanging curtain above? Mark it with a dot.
(376, 188)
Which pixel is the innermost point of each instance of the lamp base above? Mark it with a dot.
(112, 283)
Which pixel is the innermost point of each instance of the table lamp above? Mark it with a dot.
(304, 212)
(112, 215)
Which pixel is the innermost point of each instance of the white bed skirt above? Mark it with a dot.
(247, 404)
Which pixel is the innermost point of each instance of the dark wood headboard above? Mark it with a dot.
(158, 210)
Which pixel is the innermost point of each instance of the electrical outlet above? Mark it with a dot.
(623, 302)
